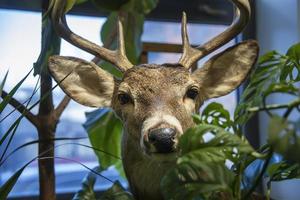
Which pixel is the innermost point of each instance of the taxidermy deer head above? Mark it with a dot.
(155, 102)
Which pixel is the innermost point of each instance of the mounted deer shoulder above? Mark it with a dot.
(155, 102)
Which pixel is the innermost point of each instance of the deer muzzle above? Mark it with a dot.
(163, 139)
(160, 134)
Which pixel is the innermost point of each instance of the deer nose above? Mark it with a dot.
(162, 139)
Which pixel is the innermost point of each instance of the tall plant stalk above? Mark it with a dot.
(45, 122)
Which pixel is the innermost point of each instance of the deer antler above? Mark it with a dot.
(116, 57)
(191, 55)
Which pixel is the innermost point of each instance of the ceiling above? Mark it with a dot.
(198, 11)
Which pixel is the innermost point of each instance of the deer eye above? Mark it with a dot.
(124, 98)
(192, 93)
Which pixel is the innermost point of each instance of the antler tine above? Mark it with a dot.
(117, 57)
(121, 42)
(188, 51)
(191, 55)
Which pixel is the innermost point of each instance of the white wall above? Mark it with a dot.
(278, 27)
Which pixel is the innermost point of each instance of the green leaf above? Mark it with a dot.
(8, 98)
(87, 186)
(70, 4)
(283, 171)
(140, 6)
(133, 28)
(12, 129)
(274, 73)
(282, 88)
(200, 171)
(104, 131)
(116, 192)
(222, 143)
(267, 57)
(216, 114)
(109, 5)
(196, 179)
(3, 83)
(294, 53)
(9, 184)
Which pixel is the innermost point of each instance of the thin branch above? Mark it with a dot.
(21, 108)
(292, 104)
(62, 106)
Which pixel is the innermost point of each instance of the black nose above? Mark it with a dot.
(162, 139)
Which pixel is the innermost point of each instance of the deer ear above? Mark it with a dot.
(227, 70)
(83, 81)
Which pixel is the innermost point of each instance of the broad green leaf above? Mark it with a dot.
(87, 186)
(272, 73)
(197, 179)
(193, 141)
(200, 170)
(267, 57)
(133, 28)
(104, 131)
(216, 114)
(116, 192)
(294, 53)
(111, 69)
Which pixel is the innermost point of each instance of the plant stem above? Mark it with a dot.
(290, 105)
(46, 132)
(21, 108)
(61, 106)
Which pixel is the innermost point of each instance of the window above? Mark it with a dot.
(20, 40)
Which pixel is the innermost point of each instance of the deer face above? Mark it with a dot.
(155, 102)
